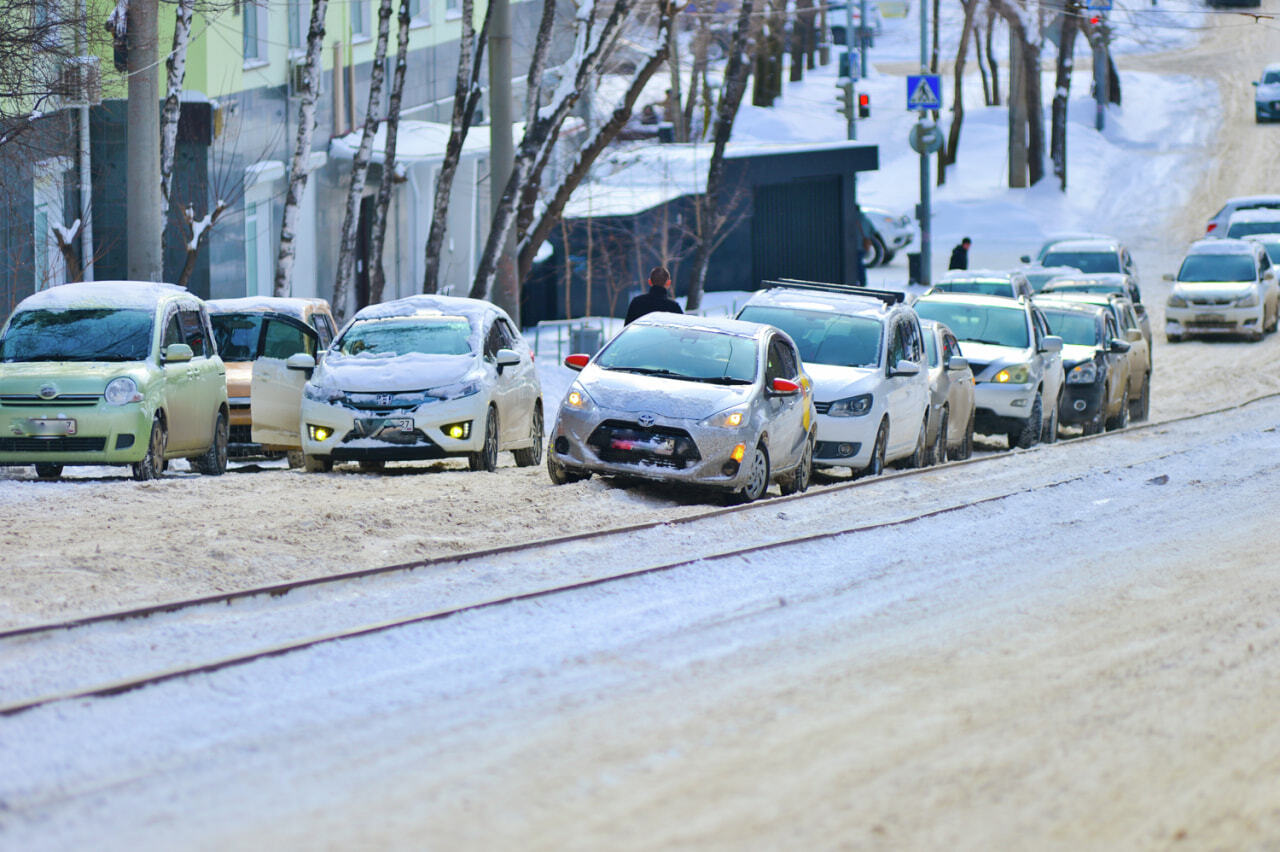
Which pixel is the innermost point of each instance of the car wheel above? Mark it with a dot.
(533, 455)
(966, 445)
(45, 470)
(317, 464)
(938, 454)
(876, 466)
(888, 256)
(757, 477)
(920, 455)
(153, 462)
(874, 255)
(295, 458)
(1031, 429)
(1173, 338)
(1050, 433)
(1141, 409)
(1121, 419)
(798, 481)
(214, 460)
(372, 466)
(1094, 424)
(561, 475)
(487, 458)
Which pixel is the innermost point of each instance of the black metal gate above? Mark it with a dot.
(797, 229)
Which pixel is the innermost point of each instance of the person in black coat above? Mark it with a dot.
(960, 255)
(657, 299)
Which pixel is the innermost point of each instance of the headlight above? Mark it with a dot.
(1176, 300)
(456, 391)
(853, 406)
(1248, 300)
(577, 399)
(1084, 374)
(731, 419)
(319, 394)
(1018, 374)
(122, 391)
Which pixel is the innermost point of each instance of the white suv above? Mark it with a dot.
(1223, 287)
(1016, 363)
(864, 351)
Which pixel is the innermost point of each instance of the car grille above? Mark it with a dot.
(52, 445)
(620, 441)
(821, 407)
(1213, 301)
(67, 399)
(385, 403)
(399, 437)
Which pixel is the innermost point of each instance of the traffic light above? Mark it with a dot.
(844, 95)
(864, 105)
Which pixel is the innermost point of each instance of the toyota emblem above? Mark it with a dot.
(48, 391)
(646, 420)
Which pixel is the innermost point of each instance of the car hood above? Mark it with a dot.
(361, 374)
(80, 377)
(1210, 289)
(1074, 353)
(831, 382)
(1268, 92)
(674, 398)
(985, 356)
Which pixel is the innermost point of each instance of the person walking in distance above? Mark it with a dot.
(960, 255)
(657, 299)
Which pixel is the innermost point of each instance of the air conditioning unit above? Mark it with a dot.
(297, 71)
(80, 81)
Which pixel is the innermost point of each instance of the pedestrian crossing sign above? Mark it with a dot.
(924, 91)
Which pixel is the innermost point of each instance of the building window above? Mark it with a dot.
(359, 19)
(452, 9)
(420, 12)
(254, 20)
(297, 27)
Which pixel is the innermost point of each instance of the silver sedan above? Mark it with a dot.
(706, 401)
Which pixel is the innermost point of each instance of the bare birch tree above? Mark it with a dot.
(1062, 91)
(378, 227)
(300, 165)
(947, 156)
(360, 166)
(1026, 111)
(176, 71)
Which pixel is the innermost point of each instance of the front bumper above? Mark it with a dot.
(1267, 110)
(846, 441)
(1080, 403)
(356, 435)
(670, 450)
(104, 434)
(1213, 319)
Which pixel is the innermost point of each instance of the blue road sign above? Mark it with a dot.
(924, 91)
(1098, 5)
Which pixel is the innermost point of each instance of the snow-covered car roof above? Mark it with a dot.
(139, 295)
(1221, 246)
(1241, 200)
(1099, 245)
(1037, 269)
(294, 306)
(1256, 214)
(721, 325)
(426, 305)
(1076, 277)
(979, 275)
(972, 299)
(821, 300)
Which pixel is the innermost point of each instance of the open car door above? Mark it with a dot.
(275, 396)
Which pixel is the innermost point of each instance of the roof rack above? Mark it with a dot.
(889, 297)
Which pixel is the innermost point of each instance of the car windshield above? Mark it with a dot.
(1075, 328)
(691, 354)
(984, 288)
(1244, 229)
(979, 323)
(1085, 261)
(237, 335)
(404, 335)
(824, 338)
(78, 334)
(1217, 267)
(1271, 77)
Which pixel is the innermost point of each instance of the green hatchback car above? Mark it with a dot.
(112, 373)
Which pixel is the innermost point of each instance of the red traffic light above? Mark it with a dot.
(864, 105)
(1095, 20)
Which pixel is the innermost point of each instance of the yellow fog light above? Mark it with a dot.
(738, 452)
(458, 431)
(319, 433)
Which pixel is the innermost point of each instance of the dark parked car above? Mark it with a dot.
(1097, 364)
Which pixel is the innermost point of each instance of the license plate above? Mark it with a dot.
(51, 426)
(370, 427)
(1210, 317)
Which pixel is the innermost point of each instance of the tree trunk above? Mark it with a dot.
(992, 62)
(1062, 92)
(824, 44)
(378, 227)
(360, 167)
(948, 153)
(300, 166)
(982, 64)
(675, 99)
(801, 39)
(701, 41)
(176, 66)
(1033, 108)
(195, 241)
(737, 67)
(1017, 154)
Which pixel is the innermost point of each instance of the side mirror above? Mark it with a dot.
(905, 368)
(300, 361)
(1115, 344)
(176, 353)
(1253, 83)
(955, 362)
(507, 358)
(577, 362)
(785, 387)
(1026, 258)
(1140, 309)
(1168, 276)
(1051, 343)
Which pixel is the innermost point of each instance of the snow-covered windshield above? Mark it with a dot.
(1085, 261)
(1217, 267)
(691, 354)
(78, 334)
(1075, 328)
(1244, 229)
(979, 323)
(984, 288)
(403, 335)
(237, 335)
(823, 338)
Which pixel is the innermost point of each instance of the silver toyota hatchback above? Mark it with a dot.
(700, 400)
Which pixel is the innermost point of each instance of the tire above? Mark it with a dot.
(213, 462)
(372, 466)
(875, 254)
(561, 475)
(938, 453)
(1094, 425)
(757, 478)
(920, 455)
(798, 481)
(966, 445)
(532, 456)
(1031, 429)
(152, 463)
(1049, 435)
(1173, 338)
(48, 470)
(317, 464)
(1121, 419)
(296, 458)
(487, 458)
(888, 256)
(1141, 408)
(876, 466)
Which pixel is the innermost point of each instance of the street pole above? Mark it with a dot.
(862, 39)
(925, 212)
(1101, 75)
(142, 166)
(502, 152)
(851, 130)
(86, 183)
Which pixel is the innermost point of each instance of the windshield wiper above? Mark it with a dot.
(650, 371)
(988, 342)
(720, 380)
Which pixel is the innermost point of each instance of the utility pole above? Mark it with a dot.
(845, 83)
(86, 181)
(142, 167)
(502, 152)
(1101, 71)
(862, 36)
(924, 213)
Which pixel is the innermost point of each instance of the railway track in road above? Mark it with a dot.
(117, 652)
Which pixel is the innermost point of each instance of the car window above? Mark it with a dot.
(1217, 267)
(897, 346)
(1110, 328)
(950, 347)
(931, 348)
(914, 341)
(682, 353)
(193, 331)
(512, 339)
(983, 288)
(1076, 328)
(387, 338)
(1271, 77)
(284, 338)
(172, 331)
(1244, 229)
(493, 341)
(1085, 261)
(781, 363)
(237, 335)
(323, 328)
(824, 337)
(790, 361)
(1130, 318)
